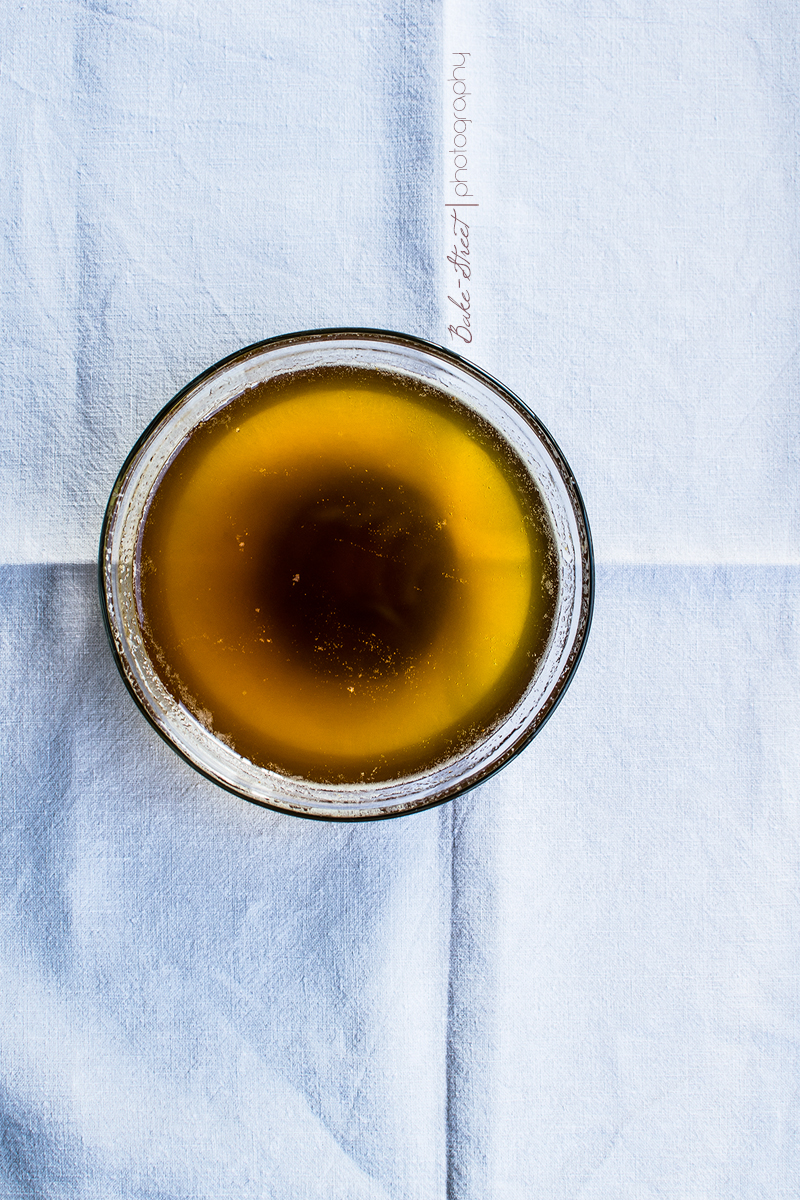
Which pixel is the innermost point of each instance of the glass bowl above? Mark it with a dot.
(421, 362)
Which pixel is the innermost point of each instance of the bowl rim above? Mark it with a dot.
(586, 551)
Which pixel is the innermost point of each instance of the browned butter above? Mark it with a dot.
(346, 575)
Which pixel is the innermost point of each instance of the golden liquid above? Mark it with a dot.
(346, 576)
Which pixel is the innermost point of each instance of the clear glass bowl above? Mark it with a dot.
(431, 365)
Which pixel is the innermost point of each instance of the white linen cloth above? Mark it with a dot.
(580, 980)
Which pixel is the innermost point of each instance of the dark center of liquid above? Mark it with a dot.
(360, 576)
